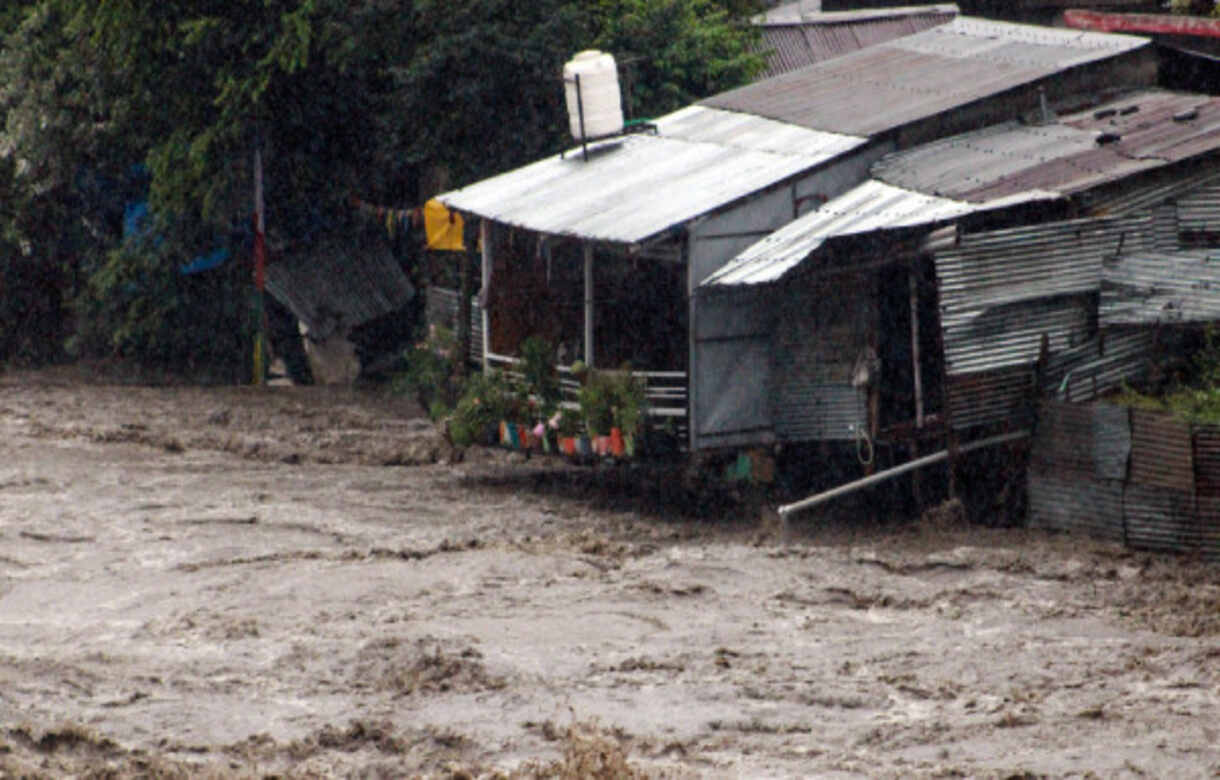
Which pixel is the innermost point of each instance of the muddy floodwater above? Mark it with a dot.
(310, 582)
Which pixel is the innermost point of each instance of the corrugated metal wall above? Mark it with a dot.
(1002, 292)
(1199, 211)
(1103, 363)
(821, 331)
(1142, 477)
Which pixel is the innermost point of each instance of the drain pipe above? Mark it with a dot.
(881, 476)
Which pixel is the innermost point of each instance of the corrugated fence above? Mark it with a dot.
(1140, 477)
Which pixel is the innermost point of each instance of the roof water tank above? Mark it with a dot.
(600, 100)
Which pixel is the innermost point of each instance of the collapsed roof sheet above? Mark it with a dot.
(637, 186)
(871, 206)
(1145, 130)
(919, 76)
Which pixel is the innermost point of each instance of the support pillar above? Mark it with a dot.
(589, 304)
(487, 257)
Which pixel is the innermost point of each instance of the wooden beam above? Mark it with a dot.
(589, 304)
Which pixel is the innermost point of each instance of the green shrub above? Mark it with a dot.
(612, 399)
(429, 375)
(487, 399)
(541, 379)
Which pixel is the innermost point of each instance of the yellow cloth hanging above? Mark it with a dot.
(443, 227)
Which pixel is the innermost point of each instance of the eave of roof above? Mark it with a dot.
(871, 207)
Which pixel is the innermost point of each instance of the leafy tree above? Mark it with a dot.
(103, 101)
(1195, 7)
(686, 50)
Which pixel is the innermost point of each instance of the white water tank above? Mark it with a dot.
(600, 99)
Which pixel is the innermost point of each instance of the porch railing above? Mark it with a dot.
(665, 391)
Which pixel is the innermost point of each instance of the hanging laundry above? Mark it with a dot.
(443, 227)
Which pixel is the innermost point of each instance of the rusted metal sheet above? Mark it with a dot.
(920, 76)
(1142, 24)
(1092, 439)
(1062, 499)
(1161, 452)
(1158, 518)
(792, 38)
(1207, 460)
(1117, 140)
(990, 397)
(1206, 531)
(1148, 189)
(1063, 437)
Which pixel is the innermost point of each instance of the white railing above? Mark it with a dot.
(665, 391)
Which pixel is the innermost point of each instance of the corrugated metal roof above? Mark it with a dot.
(1159, 287)
(1065, 157)
(793, 37)
(919, 76)
(871, 206)
(338, 286)
(637, 186)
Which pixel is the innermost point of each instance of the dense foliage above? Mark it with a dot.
(107, 102)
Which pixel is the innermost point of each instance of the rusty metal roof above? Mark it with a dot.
(792, 36)
(1141, 131)
(919, 76)
(637, 186)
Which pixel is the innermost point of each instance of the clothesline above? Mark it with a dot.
(442, 228)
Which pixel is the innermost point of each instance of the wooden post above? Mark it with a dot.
(917, 381)
(589, 304)
(464, 313)
(487, 257)
(916, 372)
(260, 270)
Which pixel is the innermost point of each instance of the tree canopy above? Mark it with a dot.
(105, 102)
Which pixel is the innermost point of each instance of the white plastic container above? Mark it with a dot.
(599, 94)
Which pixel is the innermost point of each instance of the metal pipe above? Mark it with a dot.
(881, 476)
